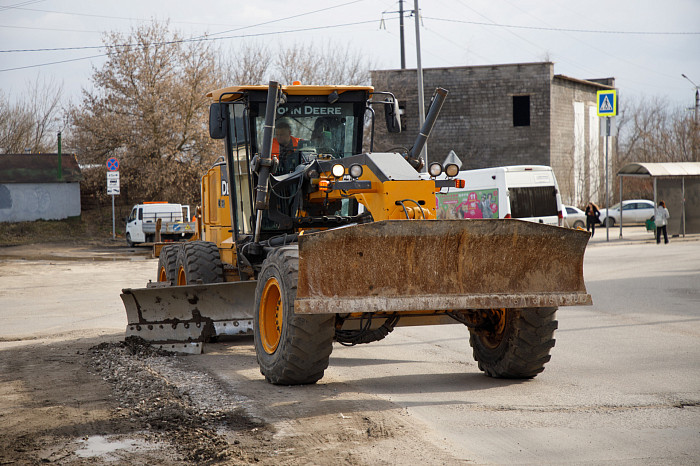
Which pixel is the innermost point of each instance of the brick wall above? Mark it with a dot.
(477, 118)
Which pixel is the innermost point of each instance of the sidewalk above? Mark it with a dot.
(636, 234)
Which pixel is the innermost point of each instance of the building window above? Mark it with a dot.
(521, 110)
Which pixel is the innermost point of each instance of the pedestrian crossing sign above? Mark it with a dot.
(607, 103)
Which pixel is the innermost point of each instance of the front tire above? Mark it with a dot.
(199, 262)
(610, 222)
(167, 264)
(292, 349)
(129, 243)
(518, 343)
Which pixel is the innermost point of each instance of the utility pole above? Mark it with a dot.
(401, 31)
(60, 159)
(403, 48)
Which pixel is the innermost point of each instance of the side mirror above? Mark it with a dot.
(393, 115)
(218, 120)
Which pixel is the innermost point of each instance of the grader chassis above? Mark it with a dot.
(345, 246)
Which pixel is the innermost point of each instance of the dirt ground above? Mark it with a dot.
(87, 397)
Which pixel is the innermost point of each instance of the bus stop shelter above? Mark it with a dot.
(678, 185)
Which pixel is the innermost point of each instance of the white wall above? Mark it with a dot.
(580, 172)
(21, 202)
(595, 194)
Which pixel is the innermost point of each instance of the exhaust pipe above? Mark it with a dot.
(265, 160)
(436, 105)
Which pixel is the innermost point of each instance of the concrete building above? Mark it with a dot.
(33, 187)
(507, 115)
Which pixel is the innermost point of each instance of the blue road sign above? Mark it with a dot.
(112, 164)
(607, 103)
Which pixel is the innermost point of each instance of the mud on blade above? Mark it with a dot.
(404, 265)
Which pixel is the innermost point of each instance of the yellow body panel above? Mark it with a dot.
(216, 213)
(236, 92)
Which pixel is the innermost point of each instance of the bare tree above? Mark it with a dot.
(32, 121)
(250, 64)
(649, 130)
(149, 108)
(325, 64)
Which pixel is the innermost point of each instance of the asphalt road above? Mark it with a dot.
(623, 385)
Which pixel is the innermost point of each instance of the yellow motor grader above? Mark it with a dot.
(307, 240)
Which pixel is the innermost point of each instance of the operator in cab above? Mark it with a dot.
(284, 148)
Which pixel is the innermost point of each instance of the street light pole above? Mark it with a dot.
(419, 69)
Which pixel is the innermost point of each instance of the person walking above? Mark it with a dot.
(661, 217)
(592, 217)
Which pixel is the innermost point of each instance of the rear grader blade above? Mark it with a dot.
(402, 265)
(182, 318)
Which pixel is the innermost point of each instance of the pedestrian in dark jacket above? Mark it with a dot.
(592, 217)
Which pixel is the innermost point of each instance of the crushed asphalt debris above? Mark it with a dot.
(189, 410)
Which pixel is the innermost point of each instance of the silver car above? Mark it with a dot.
(575, 217)
(634, 211)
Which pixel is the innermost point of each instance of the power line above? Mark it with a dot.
(49, 29)
(168, 42)
(52, 63)
(587, 31)
(196, 39)
(288, 17)
(17, 5)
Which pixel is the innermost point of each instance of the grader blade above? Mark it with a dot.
(431, 265)
(181, 318)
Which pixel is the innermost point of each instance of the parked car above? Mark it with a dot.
(574, 217)
(634, 211)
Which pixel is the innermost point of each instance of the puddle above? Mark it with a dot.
(111, 448)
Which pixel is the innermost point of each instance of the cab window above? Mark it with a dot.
(322, 129)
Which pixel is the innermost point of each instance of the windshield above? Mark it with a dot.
(316, 129)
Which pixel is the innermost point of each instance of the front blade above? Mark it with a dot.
(420, 265)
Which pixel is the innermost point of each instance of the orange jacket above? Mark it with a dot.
(276, 145)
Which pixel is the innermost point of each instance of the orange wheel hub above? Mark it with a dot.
(271, 316)
(181, 276)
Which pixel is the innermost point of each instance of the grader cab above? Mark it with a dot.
(306, 240)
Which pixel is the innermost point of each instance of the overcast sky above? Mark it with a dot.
(644, 44)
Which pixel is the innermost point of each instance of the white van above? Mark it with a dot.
(526, 192)
(175, 222)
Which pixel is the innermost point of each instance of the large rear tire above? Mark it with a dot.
(167, 264)
(199, 261)
(292, 349)
(517, 345)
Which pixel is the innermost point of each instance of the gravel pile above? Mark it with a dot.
(187, 409)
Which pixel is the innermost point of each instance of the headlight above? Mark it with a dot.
(435, 169)
(355, 170)
(338, 170)
(451, 170)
